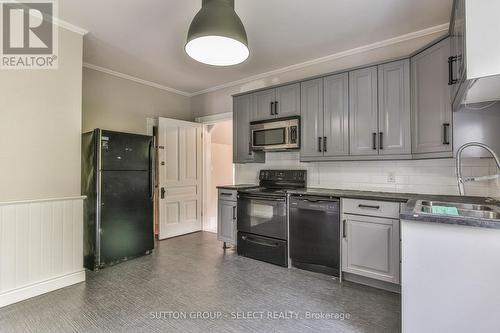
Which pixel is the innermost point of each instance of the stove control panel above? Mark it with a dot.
(283, 175)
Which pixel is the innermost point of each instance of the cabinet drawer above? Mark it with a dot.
(225, 194)
(371, 208)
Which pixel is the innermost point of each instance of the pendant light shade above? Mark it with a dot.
(217, 35)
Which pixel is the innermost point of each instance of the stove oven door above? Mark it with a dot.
(262, 215)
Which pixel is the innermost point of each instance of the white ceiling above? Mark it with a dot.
(145, 38)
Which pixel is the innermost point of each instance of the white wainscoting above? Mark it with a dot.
(41, 247)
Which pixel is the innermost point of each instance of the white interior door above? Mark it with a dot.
(180, 177)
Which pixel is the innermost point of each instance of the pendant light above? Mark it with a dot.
(216, 35)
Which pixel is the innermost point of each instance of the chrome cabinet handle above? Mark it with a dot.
(380, 141)
(343, 229)
(234, 212)
(374, 141)
(319, 144)
(276, 108)
(324, 144)
(272, 108)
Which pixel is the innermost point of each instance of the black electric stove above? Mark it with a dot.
(262, 215)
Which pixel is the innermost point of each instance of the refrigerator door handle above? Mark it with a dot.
(151, 169)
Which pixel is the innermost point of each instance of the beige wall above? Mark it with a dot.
(117, 104)
(220, 101)
(40, 126)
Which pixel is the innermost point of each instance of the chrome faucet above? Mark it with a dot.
(461, 179)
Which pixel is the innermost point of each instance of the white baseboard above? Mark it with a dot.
(23, 293)
(212, 230)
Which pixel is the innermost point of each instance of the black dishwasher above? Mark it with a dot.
(315, 234)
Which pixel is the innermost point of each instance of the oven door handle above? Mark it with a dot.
(270, 198)
(316, 200)
(250, 240)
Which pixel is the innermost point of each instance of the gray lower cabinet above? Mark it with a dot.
(242, 113)
(280, 102)
(363, 111)
(431, 108)
(226, 216)
(325, 118)
(394, 123)
(370, 239)
(370, 247)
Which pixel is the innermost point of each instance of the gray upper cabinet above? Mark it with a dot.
(242, 112)
(325, 118)
(287, 101)
(277, 103)
(336, 115)
(431, 108)
(363, 107)
(311, 119)
(394, 137)
(263, 105)
(457, 48)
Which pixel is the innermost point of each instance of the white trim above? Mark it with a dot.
(22, 202)
(358, 50)
(135, 79)
(42, 287)
(69, 26)
(214, 118)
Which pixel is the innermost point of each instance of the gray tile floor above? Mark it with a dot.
(192, 274)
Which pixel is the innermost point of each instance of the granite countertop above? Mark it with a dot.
(355, 194)
(410, 214)
(411, 200)
(237, 186)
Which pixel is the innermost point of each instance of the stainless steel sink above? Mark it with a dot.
(464, 209)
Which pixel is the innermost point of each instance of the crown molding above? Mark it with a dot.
(135, 79)
(354, 51)
(69, 26)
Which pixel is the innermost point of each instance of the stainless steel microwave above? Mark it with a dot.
(276, 134)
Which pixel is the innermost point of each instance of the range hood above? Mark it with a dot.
(475, 33)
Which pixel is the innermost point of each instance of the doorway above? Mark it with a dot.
(218, 168)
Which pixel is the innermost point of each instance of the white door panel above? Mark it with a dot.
(180, 162)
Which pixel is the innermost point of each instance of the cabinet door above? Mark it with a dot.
(288, 99)
(370, 247)
(336, 115)
(394, 108)
(431, 108)
(458, 45)
(242, 109)
(263, 109)
(226, 217)
(363, 111)
(311, 110)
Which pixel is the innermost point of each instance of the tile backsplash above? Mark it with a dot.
(435, 176)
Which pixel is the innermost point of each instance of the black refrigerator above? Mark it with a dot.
(117, 178)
